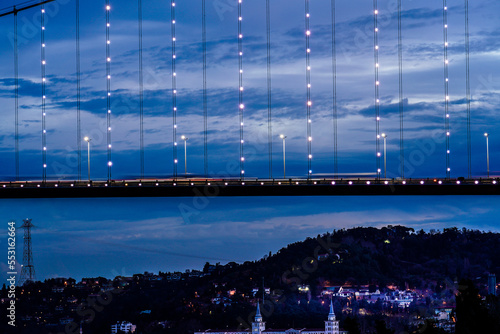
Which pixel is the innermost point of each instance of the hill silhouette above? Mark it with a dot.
(440, 268)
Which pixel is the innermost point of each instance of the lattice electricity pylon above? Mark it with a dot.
(28, 270)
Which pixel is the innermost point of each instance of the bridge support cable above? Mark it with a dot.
(334, 76)
(308, 90)
(446, 89)
(108, 87)
(205, 100)
(16, 94)
(269, 93)
(44, 79)
(79, 137)
(174, 87)
(141, 91)
(401, 102)
(241, 106)
(467, 85)
(377, 83)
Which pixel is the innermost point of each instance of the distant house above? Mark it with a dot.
(345, 292)
(330, 290)
(65, 321)
(176, 276)
(195, 273)
(304, 288)
(72, 300)
(221, 300)
(123, 326)
(256, 290)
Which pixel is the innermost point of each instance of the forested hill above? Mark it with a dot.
(435, 268)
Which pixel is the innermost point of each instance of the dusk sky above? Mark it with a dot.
(109, 237)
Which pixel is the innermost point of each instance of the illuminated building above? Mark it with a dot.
(259, 327)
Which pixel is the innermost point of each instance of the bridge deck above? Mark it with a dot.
(247, 187)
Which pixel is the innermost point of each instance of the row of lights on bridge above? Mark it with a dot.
(157, 184)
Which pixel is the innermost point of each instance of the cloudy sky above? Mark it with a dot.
(125, 236)
(423, 86)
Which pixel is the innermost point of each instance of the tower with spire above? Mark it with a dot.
(258, 326)
(332, 325)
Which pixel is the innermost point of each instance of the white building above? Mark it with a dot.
(123, 326)
(259, 327)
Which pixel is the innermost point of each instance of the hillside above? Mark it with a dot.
(395, 260)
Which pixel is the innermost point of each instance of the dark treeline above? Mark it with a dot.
(450, 266)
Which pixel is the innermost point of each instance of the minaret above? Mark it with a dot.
(258, 326)
(331, 325)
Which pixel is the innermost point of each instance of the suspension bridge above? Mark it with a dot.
(175, 180)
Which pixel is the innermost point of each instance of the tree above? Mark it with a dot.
(351, 325)
(472, 314)
(428, 328)
(381, 327)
